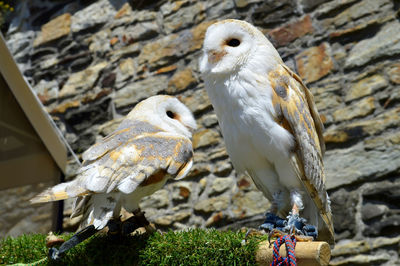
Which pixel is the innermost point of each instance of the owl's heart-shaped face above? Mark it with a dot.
(166, 112)
(230, 45)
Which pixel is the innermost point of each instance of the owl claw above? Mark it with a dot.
(251, 232)
(293, 225)
(297, 225)
(275, 233)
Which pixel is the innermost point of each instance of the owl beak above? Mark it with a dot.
(215, 56)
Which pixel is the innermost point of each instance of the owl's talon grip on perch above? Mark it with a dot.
(114, 226)
(297, 225)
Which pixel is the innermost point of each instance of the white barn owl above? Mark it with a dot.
(271, 127)
(151, 145)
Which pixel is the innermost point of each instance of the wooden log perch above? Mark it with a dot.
(307, 253)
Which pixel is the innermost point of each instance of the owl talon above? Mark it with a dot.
(142, 221)
(275, 233)
(296, 225)
(302, 238)
(252, 232)
(248, 233)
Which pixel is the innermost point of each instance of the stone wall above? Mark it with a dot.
(90, 62)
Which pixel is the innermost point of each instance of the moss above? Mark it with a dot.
(193, 247)
(198, 247)
(24, 249)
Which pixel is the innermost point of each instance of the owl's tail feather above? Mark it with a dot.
(60, 192)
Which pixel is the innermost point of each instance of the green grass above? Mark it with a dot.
(193, 247)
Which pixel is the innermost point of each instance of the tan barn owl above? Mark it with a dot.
(151, 145)
(271, 127)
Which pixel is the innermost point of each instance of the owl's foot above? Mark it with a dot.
(118, 228)
(278, 233)
(129, 225)
(275, 233)
(297, 225)
(143, 222)
(114, 227)
(251, 232)
(272, 222)
(80, 236)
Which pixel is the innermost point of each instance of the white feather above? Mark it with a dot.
(241, 94)
(154, 135)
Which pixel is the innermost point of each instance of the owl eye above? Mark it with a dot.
(170, 114)
(233, 42)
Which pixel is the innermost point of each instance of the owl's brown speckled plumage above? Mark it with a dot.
(151, 145)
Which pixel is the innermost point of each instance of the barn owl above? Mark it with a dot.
(270, 125)
(151, 145)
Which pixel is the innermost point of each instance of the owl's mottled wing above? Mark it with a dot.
(319, 126)
(126, 130)
(138, 155)
(138, 161)
(296, 112)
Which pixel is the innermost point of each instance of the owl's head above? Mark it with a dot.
(232, 44)
(167, 113)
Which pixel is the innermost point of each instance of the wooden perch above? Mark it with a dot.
(307, 253)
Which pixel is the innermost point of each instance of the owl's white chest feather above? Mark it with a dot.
(246, 115)
(253, 139)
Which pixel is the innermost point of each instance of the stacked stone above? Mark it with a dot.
(91, 62)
